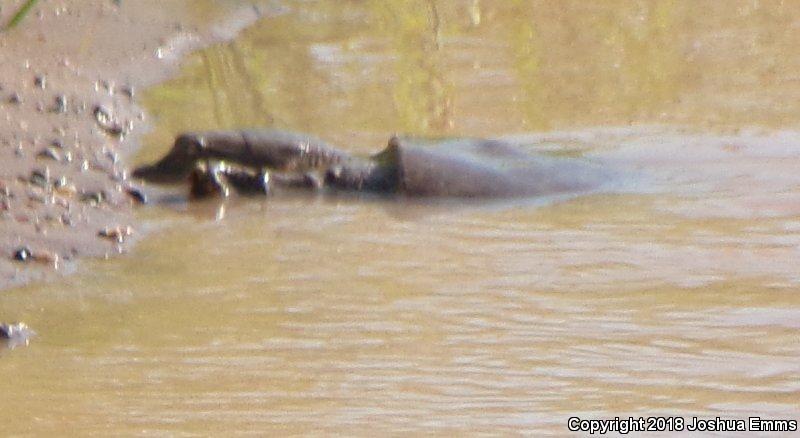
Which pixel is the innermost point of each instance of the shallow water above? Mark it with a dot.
(674, 294)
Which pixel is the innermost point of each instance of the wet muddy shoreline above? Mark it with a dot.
(70, 117)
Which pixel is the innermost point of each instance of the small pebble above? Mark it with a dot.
(39, 178)
(127, 90)
(107, 122)
(60, 105)
(22, 254)
(136, 194)
(46, 257)
(118, 233)
(15, 99)
(16, 330)
(69, 190)
(94, 197)
(107, 85)
(37, 197)
(62, 186)
(111, 156)
(40, 81)
(15, 335)
(49, 153)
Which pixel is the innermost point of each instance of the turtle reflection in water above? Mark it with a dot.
(264, 160)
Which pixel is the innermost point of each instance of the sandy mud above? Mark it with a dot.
(69, 78)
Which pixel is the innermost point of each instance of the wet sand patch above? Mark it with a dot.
(70, 76)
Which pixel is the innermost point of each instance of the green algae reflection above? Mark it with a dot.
(354, 72)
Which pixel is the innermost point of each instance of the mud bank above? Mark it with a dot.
(69, 77)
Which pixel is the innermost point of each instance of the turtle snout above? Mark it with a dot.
(177, 164)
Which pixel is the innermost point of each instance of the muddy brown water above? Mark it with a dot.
(674, 294)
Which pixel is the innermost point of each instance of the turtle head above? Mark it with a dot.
(177, 164)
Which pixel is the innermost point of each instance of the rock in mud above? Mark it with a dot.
(40, 81)
(23, 254)
(60, 105)
(136, 194)
(16, 334)
(127, 90)
(107, 122)
(94, 198)
(49, 153)
(118, 233)
(64, 187)
(39, 178)
(15, 99)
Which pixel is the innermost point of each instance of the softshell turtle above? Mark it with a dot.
(260, 160)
